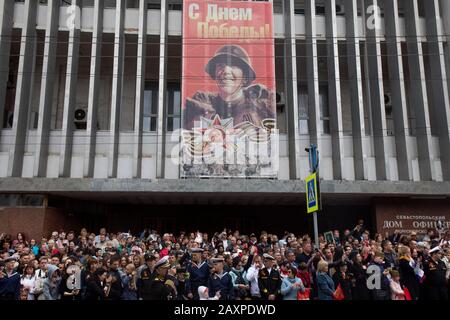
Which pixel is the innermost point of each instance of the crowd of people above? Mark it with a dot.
(353, 265)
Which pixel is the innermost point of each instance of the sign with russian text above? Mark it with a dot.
(410, 216)
(312, 198)
(228, 90)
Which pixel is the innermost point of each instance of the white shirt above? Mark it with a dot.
(28, 282)
(252, 277)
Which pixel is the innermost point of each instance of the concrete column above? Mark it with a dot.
(65, 160)
(445, 6)
(291, 90)
(47, 85)
(161, 124)
(140, 87)
(94, 88)
(356, 89)
(436, 39)
(23, 88)
(6, 24)
(117, 87)
(419, 98)
(334, 88)
(312, 74)
(375, 72)
(398, 93)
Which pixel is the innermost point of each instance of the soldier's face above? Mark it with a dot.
(229, 79)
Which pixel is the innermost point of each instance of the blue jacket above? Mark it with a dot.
(325, 286)
(288, 291)
(10, 285)
(128, 293)
(198, 276)
(222, 283)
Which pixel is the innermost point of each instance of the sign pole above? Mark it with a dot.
(313, 202)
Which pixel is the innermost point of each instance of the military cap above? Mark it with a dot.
(268, 256)
(217, 260)
(163, 263)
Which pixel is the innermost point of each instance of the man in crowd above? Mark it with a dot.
(435, 276)
(220, 281)
(9, 281)
(198, 274)
(269, 279)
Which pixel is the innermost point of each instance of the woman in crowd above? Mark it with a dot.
(325, 285)
(28, 280)
(291, 285)
(359, 276)
(408, 276)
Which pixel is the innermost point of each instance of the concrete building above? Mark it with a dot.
(88, 113)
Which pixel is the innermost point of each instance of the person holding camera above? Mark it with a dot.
(99, 287)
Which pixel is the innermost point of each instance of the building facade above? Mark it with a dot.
(89, 116)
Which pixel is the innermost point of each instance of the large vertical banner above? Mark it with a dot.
(228, 90)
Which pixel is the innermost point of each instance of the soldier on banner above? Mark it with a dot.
(237, 97)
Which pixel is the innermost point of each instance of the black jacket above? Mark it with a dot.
(408, 278)
(116, 286)
(269, 283)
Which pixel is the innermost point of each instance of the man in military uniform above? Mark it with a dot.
(435, 280)
(145, 277)
(162, 287)
(9, 281)
(198, 273)
(237, 97)
(269, 279)
(220, 281)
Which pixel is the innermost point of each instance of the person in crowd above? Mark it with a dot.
(161, 288)
(220, 281)
(9, 281)
(129, 278)
(51, 283)
(397, 293)
(199, 273)
(28, 281)
(252, 277)
(116, 278)
(381, 291)
(99, 286)
(269, 279)
(325, 285)
(408, 277)
(341, 278)
(291, 285)
(435, 272)
(239, 278)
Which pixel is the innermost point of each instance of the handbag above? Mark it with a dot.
(339, 293)
(407, 293)
(304, 295)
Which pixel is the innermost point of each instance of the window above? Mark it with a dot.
(303, 109)
(150, 106)
(173, 107)
(324, 109)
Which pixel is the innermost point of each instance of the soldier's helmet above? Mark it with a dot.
(232, 55)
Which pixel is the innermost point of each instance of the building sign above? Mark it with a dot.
(228, 90)
(412, 216)
(312, 199)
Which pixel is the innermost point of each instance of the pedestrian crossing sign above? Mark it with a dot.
(312, 200)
